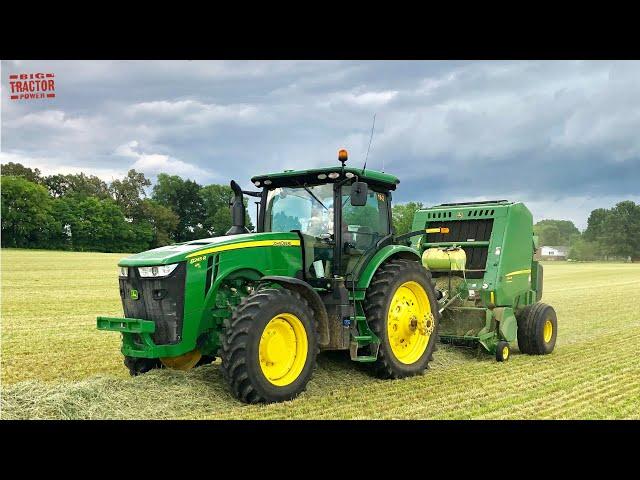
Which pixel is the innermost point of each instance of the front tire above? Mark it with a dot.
(138, 366)
(401, 308)
(269, 347)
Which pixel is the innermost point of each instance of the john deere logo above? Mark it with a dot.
(134, 294)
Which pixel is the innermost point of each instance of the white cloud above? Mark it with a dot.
(54, 166)
(151, 164)
(360, 98)
(192, 111)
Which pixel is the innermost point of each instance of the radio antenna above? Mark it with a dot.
(369, 147)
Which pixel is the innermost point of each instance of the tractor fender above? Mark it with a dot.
(384, 254)
(310, 295)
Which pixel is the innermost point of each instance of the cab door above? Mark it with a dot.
(362, 228)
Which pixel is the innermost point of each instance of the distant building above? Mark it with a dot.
(553, 253)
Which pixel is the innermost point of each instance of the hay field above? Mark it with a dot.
(55, 364)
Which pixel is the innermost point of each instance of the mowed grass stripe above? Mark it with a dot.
(56, 365)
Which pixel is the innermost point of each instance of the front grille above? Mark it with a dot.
(159, 299)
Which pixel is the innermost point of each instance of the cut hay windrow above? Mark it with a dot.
(55, 365)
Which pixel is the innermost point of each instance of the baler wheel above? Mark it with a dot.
(537, 329)
(401, 309)
(502, 351)
(138, 366)
(269, 346)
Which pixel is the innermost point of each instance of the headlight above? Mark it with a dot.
(159, 271)
(124, 271)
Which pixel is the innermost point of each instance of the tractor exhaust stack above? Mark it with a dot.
(237, 211)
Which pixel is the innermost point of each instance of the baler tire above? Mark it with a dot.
(503, 351)
(138, 366)
(377, 302)
(241, 338)
(531, 329)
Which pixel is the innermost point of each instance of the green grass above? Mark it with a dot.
(55, 364)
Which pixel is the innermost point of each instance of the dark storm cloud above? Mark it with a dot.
(562, 136)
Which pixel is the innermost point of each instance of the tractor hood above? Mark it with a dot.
(181, 251)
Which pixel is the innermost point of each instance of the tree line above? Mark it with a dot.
(83, 212)
(611, 234)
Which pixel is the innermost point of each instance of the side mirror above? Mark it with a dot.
(359, 191)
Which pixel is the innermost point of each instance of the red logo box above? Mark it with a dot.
(32, 86)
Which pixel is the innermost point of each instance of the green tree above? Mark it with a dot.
(95, 224)
(620, 234)
(183, 197)
(403, 214)
(79, 184)
(547, 234)
(162, 220)
(57, 184)
(556, 232)
(583, 249)
(19, 170)
(595, 224)
(27, 220)
(215, 199)
(129, 193)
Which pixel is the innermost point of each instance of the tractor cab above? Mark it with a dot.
(343, 216)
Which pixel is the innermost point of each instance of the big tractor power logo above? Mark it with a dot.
(32, 86)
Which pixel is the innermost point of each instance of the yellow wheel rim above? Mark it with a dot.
(283, 349)
(409, 322)
(505, 353)
(183, 362)
(548, 331)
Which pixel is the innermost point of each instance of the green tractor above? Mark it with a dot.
(324, 271)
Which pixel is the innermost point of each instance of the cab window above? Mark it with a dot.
(362, 227)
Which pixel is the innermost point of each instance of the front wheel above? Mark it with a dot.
(138, 366)
(269, 347)
(401, 308)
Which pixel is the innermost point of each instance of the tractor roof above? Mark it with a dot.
(310, 177)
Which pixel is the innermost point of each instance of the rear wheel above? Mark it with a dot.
(537, 329)
(400, 306)
(269, 346)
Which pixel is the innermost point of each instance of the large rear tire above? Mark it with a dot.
(401, 308)
(269, 347)
(537, 329)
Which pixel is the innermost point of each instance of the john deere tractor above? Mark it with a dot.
(324, 271)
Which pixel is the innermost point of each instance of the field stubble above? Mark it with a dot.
(55, 364)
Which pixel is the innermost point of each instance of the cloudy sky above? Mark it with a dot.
(564, 137)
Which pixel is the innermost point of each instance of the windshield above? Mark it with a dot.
(306, 208)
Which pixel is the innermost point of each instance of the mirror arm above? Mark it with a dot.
(252, 194)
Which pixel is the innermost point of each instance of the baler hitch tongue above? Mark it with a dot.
(125, 325)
